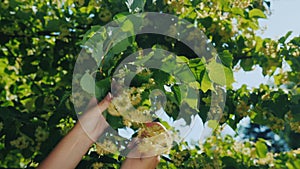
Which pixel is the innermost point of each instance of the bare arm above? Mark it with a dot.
(70, 150)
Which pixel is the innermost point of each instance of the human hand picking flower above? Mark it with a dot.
(91, 125)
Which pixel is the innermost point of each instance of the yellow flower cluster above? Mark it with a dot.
(277, 123)
(297, 151)
(122, 105)
(97, 165)
(100, 150)
(295, 126)
(21, 142)
(175, 5)
(295, 50)
(155, 145)
(107, 146)
(41, 134)
(178, 157)
(242, 109)
(77, 99)
(135, 96)
(271, 49)
(268, 160)
(241, 4)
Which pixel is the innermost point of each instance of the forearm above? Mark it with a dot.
(69, 151)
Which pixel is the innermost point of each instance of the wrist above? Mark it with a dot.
(82, 135)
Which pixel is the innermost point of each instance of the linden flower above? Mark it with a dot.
(136, 99)
(41, 134)
(77, 99)
(297, 151)
(127, 123)
(97, 165)
(140, 115)
(158, 144)
(238, 146)
(100, 150)
(109, 146)
(112, 110)
(21, 142)
(269, 159)
(122, 102)
(178, 158)
(246, 151)
(295, 126)
(150, 131)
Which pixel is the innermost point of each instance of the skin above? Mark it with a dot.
(70, 150)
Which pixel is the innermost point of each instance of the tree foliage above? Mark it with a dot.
(40, 42)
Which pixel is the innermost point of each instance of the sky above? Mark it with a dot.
(285, 16)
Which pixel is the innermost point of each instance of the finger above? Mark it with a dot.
(141, 163)
(151, 162)
(103, 105)
(133, 149)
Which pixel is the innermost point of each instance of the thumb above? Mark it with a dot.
(103, 105)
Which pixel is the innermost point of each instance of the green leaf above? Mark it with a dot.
(284, 38)
(53, 25)
(229, 162)
(226, 58)
(206, 83)
(261, 149)
(212, 124)
(177, 94)
(195, 85)
(295, 112)
(114, 121)
(165, 124)
(182, 59)
(237, 11)
(220, 74)
(259, 43)
(87, 83)
(184, 75)
(256, 13)
(23, 15)
(127, 26)
(120, 46)
(102, 88)
(216, 73)
(206, 22)
(229, 76)
(135, 6)
(247, 64)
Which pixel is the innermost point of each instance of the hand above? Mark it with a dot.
(141, 163)
(92, 121)
(144, 160)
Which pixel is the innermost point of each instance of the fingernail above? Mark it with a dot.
(109, 97)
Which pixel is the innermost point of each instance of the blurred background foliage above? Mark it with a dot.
(39, 44)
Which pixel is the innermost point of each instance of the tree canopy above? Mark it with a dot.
(40, 42)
